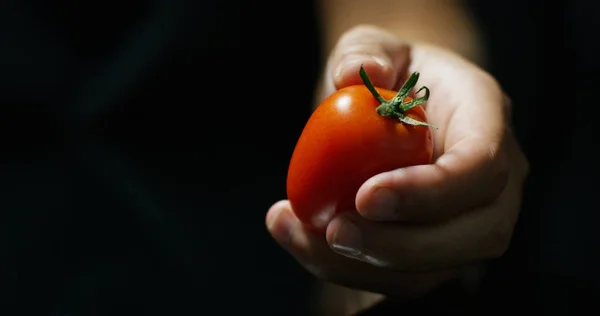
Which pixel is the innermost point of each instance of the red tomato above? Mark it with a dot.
(354, 134)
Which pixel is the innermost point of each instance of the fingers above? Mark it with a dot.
(472, 236)
(316, 255)
(471, 171)
(381, 53)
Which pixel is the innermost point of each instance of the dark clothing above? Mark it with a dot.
(144, 141)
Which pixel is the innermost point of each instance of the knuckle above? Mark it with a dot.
(362, 49)
(491, 82)
(359, 32)
(367, 37)
(360, 40)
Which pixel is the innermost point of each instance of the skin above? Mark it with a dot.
(344, 143)
(442, 23)
(403, 24)
(437, 219)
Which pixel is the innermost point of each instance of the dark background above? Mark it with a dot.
(144, 141)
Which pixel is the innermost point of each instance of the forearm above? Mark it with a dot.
(446, 23)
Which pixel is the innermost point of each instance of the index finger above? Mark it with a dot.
(381, 53)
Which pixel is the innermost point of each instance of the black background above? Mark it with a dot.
(144, 141)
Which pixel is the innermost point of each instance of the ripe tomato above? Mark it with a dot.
(354, 134)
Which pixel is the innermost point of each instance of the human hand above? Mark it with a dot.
(415, 226)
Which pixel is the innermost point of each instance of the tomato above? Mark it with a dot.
(355, 133)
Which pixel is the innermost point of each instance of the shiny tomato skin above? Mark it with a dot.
(344, 143)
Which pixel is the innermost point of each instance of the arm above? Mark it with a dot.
(446, 23)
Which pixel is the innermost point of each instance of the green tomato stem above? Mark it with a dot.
(397, 107)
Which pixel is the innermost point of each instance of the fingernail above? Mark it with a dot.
(347, 240)
(358, 59)
(280, 227)
(383, 204)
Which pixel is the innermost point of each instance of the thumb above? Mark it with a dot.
(383, 55)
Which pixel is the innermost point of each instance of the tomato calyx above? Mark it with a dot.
(397, 106)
